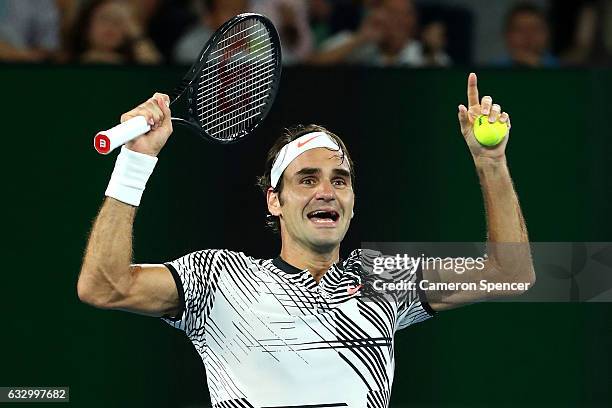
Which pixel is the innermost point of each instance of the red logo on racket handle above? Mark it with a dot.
(102, 143)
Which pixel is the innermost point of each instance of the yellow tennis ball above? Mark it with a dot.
(487, 133)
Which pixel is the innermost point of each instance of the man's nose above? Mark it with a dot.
(325, 191)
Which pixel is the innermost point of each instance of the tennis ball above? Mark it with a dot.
(487, 133)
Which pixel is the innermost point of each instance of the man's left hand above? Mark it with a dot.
(468, 115)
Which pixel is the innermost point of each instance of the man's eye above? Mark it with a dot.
(308, 181)
(339, 182)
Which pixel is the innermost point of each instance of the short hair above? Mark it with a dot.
(524, 7)
(290, 134)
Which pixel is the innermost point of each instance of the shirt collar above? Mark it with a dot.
(286, 267)
(281, 264)
(303, 277)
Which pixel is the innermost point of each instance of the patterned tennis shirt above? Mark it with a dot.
(270, 336)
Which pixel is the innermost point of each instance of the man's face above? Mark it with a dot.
(400, 22)
(317, 200)
(527, 32)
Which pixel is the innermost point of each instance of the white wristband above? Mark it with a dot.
(132, 170)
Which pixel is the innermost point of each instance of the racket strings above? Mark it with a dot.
(240, 115)
(256, 80)
(219, 79)
(264, 34)
(254, 95)
(237, 80)
(245, 60)
(232, 46)
(206, 102)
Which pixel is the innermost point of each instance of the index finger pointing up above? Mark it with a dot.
(472, 90)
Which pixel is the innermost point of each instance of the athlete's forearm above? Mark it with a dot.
(508, 253)
(105, 273)
(508, 243)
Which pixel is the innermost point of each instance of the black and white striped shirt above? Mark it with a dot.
(270, 336)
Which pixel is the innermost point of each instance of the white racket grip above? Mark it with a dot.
(108, 140)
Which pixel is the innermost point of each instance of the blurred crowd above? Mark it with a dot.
(435, 33)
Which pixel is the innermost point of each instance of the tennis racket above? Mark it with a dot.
(227, 92)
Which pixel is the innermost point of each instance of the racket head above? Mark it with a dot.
(231, 87)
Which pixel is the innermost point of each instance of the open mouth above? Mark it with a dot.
(323, 216)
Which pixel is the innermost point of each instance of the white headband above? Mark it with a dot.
(298, 146)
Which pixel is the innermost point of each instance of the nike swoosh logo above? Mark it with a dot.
(352, 291)
(300, 144)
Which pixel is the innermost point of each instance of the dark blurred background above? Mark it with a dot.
(437, 33)
(415, 182)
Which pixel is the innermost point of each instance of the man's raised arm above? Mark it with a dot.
(107, 279)
(508, 263)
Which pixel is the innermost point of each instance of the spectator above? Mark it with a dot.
(320, 14)
(168, 24)
(348, 14)
(145, 9)
(328, 17)
(68, 11)
(213, 13)
(290, 17)
(585, 26)
(527, 35)
(109, 32)
(386, 37)
(433, 37)
(29, 30)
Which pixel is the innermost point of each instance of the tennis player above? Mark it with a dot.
(299, 329)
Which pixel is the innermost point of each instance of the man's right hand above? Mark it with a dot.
(157, 112)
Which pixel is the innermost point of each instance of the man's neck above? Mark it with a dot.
(316, 263)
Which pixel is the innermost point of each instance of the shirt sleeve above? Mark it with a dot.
(408, 299)
(196, 276)
(412, 305)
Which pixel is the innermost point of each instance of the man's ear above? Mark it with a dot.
(273, 201)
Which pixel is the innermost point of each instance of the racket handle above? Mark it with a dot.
(108, 140)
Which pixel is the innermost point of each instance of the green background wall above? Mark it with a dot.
(415, 182)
